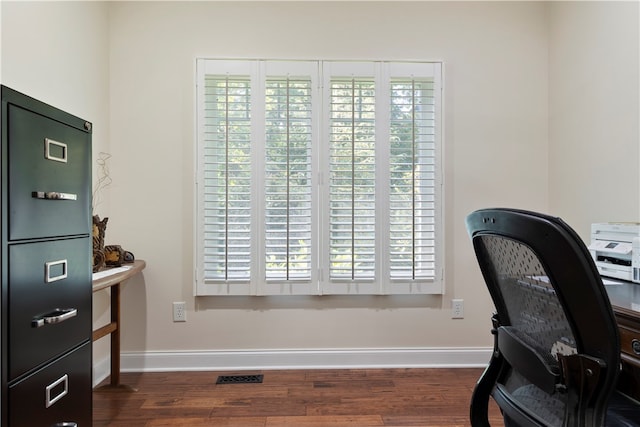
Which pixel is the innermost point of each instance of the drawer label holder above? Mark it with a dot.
(55, 270)
(64, 381)
(54, 150)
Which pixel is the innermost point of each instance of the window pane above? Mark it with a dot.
(227, 178)
(288, 179)
(352, 179)
(412, 191)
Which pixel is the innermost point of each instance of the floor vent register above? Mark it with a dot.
(239, 379)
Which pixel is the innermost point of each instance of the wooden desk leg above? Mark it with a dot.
(115, 336)
(114, 384)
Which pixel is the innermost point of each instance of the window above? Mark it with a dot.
(318, 177)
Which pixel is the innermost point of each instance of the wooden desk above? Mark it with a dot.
(625, 301)
(114, 281)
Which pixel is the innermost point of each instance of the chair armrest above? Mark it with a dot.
(528, 361)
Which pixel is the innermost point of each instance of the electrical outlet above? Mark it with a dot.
(179, 312)
(457, 309)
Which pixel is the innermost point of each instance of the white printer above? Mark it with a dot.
(615, 248)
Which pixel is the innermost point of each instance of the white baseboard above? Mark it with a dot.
(101, 370)
(242, 360)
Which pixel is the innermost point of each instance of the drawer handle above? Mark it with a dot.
(49, 268)
(65, 424)
(53, 195)
(56, 316)
(51, 146)
(635, 346)
(64, 380)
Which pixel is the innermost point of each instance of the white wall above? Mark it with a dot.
(495, 56)
(594, 94)
(521, 86)
(57, 52)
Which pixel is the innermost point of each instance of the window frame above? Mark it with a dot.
(321, 73)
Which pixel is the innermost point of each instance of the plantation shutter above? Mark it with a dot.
(318, 177)
(227, 178)
(352, 217)
(412, 179)
(288, 179)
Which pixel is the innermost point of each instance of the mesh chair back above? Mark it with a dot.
(550, 304)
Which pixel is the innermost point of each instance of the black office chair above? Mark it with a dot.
(556, 349)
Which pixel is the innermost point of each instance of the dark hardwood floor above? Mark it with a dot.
(304, 398)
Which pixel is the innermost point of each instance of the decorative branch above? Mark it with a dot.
(104, 179)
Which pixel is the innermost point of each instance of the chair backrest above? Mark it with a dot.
(557, 350)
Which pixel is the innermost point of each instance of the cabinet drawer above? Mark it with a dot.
(47, 281)
(57, 394)
(630, 343)
(49, 177)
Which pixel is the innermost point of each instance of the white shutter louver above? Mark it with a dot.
(227, 178)
(413, 180)
(288, 179)
(352, 179)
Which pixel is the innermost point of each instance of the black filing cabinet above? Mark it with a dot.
(46, 321)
